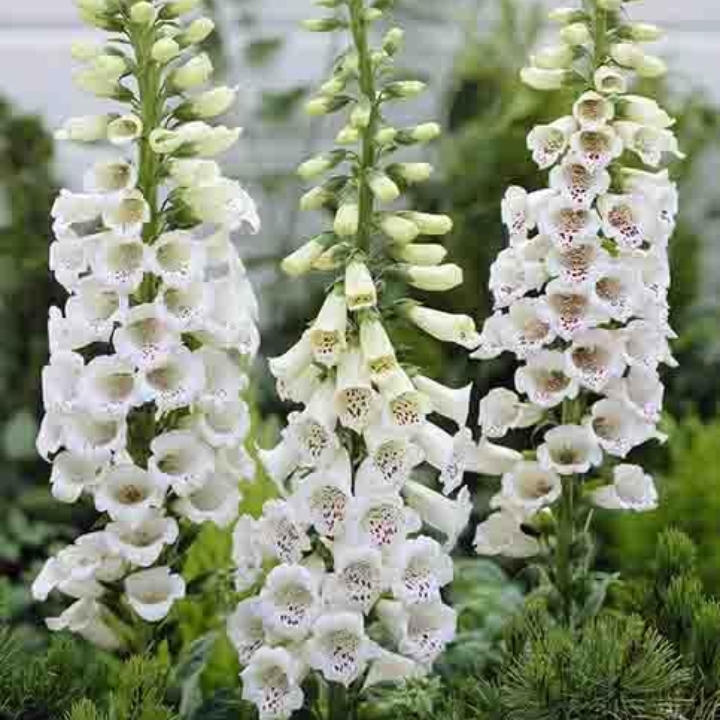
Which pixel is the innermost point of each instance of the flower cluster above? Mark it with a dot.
(142, 393)
(581, 291)
(344, 572)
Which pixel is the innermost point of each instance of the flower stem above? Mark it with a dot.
(358, 25)
(565, 541)
(337, 702)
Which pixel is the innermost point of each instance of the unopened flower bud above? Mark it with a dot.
(347, 219)
(403, 89)
(437, 278)
(84, 51)
(360, 292)
(566, 15)
(198, 31)
(576, 34)
(383, 188)
(164, 50)
(333, 257)
(553, 58)
(325, 105)
(323, 24)
(333, 86)
(320, 164)
(88, 128)
(124, 130)
(399, 229)
(540, 79)
(302, 260)
(373, 14)
(651, 67)
(626, 54)
(143, 13)
(192, 74)
(393, 40)
(360, 116)
(410, 173)
(610, 5)
(214, 102)
(386, 136)
(429, 224)
(645, 32)
(176, 8)
(425, 132)
(420, 253)
(348, 136)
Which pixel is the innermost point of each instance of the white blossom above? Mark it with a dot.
(632, 489)
(271, 681)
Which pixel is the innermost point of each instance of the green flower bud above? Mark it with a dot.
(348, 136)
(325, 105)
(393, 40)
(320, 164)
(399, 229)
(176, 8)
(347, 219)
(429, 224)
(143, 13)
(410, 173)
(576, 34)
(198, 31)
(323, 25)
(383, 188)
(164, 50)
(403, 89)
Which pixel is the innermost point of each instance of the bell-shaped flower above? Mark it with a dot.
(451, 403)
(143, 544)
(610, 80)
(120, 262)
(406, 407)
(217, 502)
(313, 430)
(450, 517)
(377, 349)
(446, 327)
(391, 667)
(94, 438)
(126, 213)
(526, 328)
(86, 128)
(656, 186)
(382, 522)
(327, 334)
(67, 333)
(642, 390)
(592, 111)
(392, 456)
(490, 343)
(177, 259)
(108, 387)
(236, 462)
(419, 569)
(224, 202)
(502, 534)
(420, 631)
(491, 459)
(646, 345)
(358, 580)
(221, 424)
(548, 142)
(578, 184)
(596, 149)
(618, 431)
(627, 219)
(511, 277)
(281, 533)
(129, 493)
(339, 647)
(184, 310)
(89, 619)
(649, 143)
(501, 411)
(618, 290)
(569, 450)
(110, 176)
(145, 338)
(356, 402)
(596, 357)
(565, 224)
(60, 381)
(528, 488)
(247, 553)
(180, 460)
(152, 593)
(520, 210)
(632, 489)
(74, 208)
(245, 628)
(282, 460)
(95, 309)
(360, 292)
(224, 380)
(72, 475)
(572, 309)
(173, 381)
(546, 379)
(578, 264)
(271, 681)
(451, 455)
(69, 260)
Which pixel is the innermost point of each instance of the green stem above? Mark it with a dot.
(368, 153)
(338, 702)
(600, 31)
(565, 541)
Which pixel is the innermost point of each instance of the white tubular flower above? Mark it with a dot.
(217, 501)
(451, 455)
(127, 213)
(446, 327)
(528, 488)
(60, 380)
(649, 143)
(596, 357)
(173, 381)
(94, 438)
(245, 629)
(526, 328)
(632, 490)
(572, 309)
(419, 569)
(327, 334)
(143, 544)
(569, 450)
(223, 202)
(501, 534)
(87, 129)
(313, 430)
(543, 80)
(181, 461)
(145, 338)
(565, 224)
(576, 183)
(176, 259)
(358, 580)
(596, 149)
(360, 289)
(578, 264)
(72, 475)
(618, 290)
(394, 668)
(236, 462)
(294, 361)
(642, 390)
(377, 349)
(381, 522)
(420, 631)
(281, 534)
(75, 208)
(67, 333)
(222, 424)
(110, 176)
(511, 277)
(280, 461)
(392, 456)
(501, 411)
(356, 402)
(450, 517)
(69, 259)
(129, 494)
(657, 186)
(451, 403)
(548, 142)
(87, 618)
(95, 309)
(610, 80)
(339, 647)
(120, 262)
(645, 111)
(207, 141)
(124, 130)
(490, 459)
(646, 345)
(490, 343)
(189, 172)
(627, 219)
(271, 682)
(108, 387)
(224, 381)
(322, 497)
(593, 111)
(289, 603)
(193, 73)
(247, 553)
(546, 379)
(152, 593)
(406, 406)
(617, 430)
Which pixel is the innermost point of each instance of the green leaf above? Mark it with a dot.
(189, 671)
(18, 436)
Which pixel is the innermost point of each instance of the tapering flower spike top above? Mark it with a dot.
(581, 295)
(149, 356)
